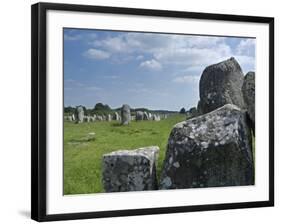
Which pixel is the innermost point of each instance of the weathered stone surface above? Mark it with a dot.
(125, 114)
(221, 84)
(139, 116)
(79, 114)
(248, 90)
(209, 151)
(130, 170)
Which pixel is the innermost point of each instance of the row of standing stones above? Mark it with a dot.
(212, 149)
(125, 118)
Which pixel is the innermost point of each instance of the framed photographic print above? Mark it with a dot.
(140, 111)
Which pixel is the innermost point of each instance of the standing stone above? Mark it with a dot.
(145, 116)
(116, 116)
(109, 117)
(221, 84)
(125, 114)
(79, 114)
(149, 116)
(209, 151)
(139, 116)
(73, 117)
(156, 117)
(248, 90)
(104, 117)
(130, 170)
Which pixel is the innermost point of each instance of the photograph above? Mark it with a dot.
(147, 111)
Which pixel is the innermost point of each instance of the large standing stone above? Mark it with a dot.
(209, 151)
(139, 116)
(125, 114)
(130, 170)
(248, 90)
(79, 114)
(221, 84)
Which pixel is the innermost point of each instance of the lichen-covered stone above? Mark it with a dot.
(221, 84)
(209, 151)
(125, 114)
(248, 90)
(130, 170)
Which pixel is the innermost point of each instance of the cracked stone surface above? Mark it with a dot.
(211, 150)
(130, 170)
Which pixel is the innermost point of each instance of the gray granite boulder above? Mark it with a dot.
(211, 150)
(130, 170)
(221, 84)
(125, 114)
(248, 90)
(139, 116)
(79, 114)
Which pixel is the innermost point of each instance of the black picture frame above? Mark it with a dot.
(38, 108)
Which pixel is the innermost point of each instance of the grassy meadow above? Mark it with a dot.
(83, 153)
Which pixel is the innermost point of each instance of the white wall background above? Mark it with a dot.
(15, 110)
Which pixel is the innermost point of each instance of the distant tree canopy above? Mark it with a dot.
(104, 109)
(100, 106)
(182, 110)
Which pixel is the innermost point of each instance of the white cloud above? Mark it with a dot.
(139, 57)
(151, 64)
(97, 54)
(70, 37)
(166, 50)
(246, 47)
(187, 79)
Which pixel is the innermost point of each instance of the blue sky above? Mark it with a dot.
(152, 70)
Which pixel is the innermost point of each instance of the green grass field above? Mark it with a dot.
(83, 155)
